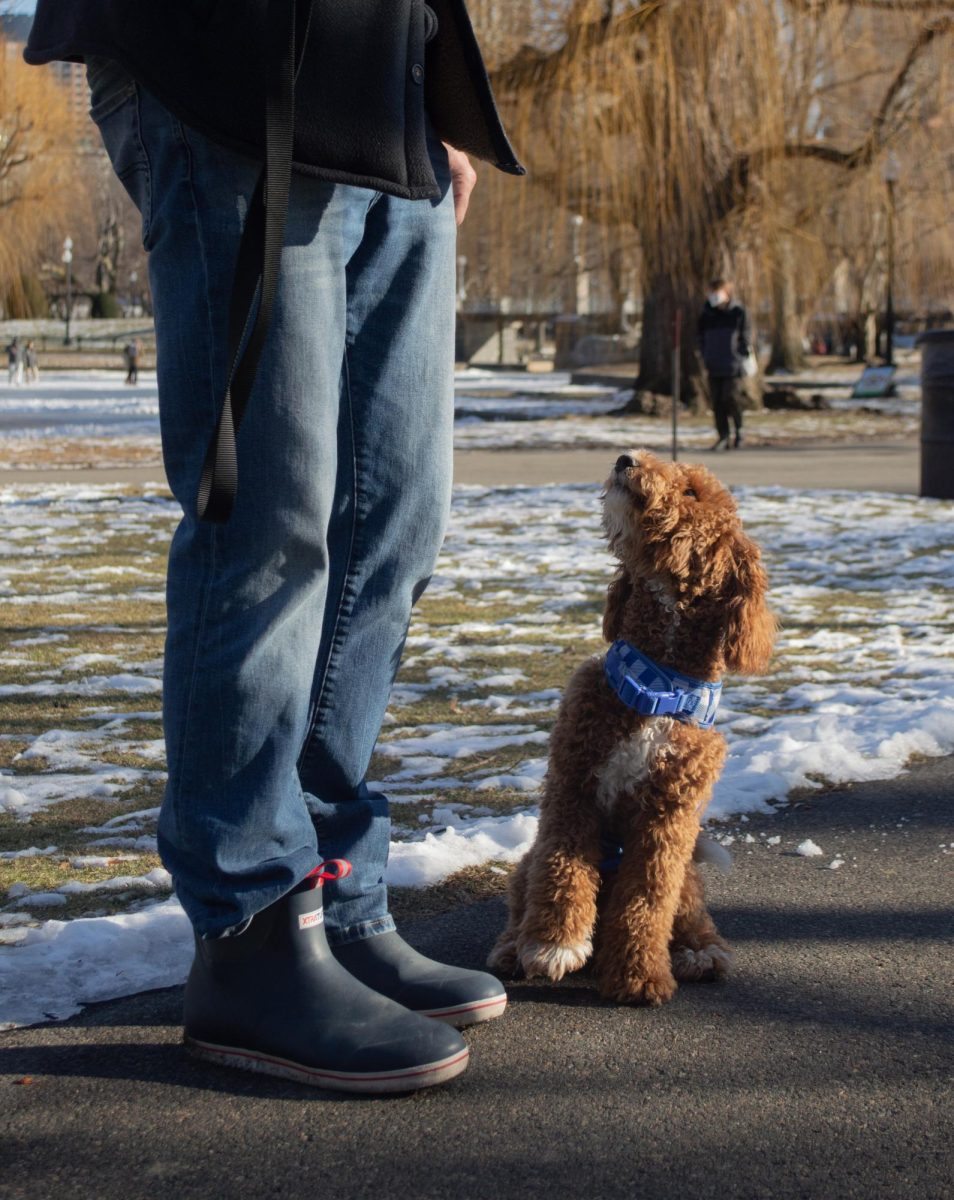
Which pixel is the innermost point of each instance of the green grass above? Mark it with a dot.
(46, 874)
(63, 824)
(115, 621)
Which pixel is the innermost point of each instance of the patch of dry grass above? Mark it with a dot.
(468, 886)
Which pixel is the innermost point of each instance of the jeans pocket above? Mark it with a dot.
(110, 85)
(115, 108)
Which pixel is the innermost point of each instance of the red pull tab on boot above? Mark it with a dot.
(331, 868)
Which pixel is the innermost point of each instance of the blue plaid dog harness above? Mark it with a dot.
(655, 691)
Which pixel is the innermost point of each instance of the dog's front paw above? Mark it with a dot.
(638, 985)
(552, 959)
(708, 963)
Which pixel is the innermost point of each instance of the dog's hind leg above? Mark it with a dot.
(503, 958)
(697, 949)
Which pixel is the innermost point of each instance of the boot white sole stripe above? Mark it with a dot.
(470, 1014)
(403, 1079)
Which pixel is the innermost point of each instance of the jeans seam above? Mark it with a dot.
(213, 540)
(346, 600)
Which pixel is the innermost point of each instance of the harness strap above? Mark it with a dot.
(259, 257)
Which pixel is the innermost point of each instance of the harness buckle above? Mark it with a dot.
(645, 701)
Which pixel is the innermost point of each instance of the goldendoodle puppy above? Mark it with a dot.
(634, 756)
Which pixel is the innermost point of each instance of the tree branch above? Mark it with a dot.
(871, 145)
(531, 66)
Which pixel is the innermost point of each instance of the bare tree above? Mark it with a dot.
(709, 125)
(36, 183)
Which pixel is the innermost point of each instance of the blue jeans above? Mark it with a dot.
(286, 625)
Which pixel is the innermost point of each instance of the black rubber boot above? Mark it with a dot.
(273, 999)
(389, 965)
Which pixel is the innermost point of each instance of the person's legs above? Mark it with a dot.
(717, 393)
(245, 608)
(734, 407)
(395, 451)
(245, 599)
(397, 433)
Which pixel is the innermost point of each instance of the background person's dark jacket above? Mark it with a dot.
(724, 340)
(361, 96)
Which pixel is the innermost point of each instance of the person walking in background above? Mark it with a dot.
(289, 598)
(132, 354)
(15, 363)
(724, 341)
(30, 362)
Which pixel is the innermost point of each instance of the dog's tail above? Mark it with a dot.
(708, 850)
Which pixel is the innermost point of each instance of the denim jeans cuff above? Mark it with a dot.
(361, 930)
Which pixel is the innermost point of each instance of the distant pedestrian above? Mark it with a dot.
(724, 340)
(132, 353)
(15, 363)
(30, 363)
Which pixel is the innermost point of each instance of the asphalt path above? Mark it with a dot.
(823, 1068)
(864, 466)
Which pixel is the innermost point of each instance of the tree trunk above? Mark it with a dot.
(869, 338)
(662, 299)
(788, 352)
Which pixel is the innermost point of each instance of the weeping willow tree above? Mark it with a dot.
(37, 184)
(712, 133)
(870, 85)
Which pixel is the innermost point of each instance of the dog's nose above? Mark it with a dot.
(624, 462)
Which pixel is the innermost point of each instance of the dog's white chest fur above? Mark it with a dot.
(630, 762)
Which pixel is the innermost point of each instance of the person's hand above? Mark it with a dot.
(463, 178)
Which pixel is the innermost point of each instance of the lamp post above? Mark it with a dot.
(68, 260)
(891, 173)
(461, 280)
(577, 223)
(503, 311)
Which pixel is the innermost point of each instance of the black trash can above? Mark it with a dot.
(937, 413)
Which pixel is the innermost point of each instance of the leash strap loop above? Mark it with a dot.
(255, 285)
(326, 872)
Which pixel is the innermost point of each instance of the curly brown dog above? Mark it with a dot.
(688, 597)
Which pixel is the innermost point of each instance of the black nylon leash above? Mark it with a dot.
(259, 257)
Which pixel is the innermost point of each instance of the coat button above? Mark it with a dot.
(417, 73)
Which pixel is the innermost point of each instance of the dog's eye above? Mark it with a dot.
(691, 492)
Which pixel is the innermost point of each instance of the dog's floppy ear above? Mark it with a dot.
(617, 594)
(750, 625)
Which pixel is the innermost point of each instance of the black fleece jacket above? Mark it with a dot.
(368, 73)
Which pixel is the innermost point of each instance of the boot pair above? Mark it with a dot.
(367, 1016)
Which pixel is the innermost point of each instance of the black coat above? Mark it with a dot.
(366, 78)
(724, 340)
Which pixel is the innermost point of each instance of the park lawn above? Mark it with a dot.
(861, 584)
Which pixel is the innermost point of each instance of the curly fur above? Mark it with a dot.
(689, 591)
